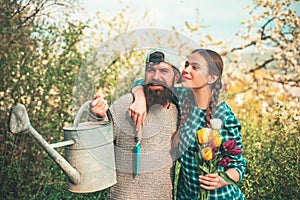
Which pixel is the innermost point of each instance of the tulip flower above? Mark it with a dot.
(224, 162)
(213, 146)
(212, 153)
(236, 151)
(203, 136)
(207, 153)
(216, 138)
(218, 141)
(216, 123)
(229, 145)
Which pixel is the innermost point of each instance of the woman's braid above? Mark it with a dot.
(215, 91)
(184, 112)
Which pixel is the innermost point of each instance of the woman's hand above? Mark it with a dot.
(212, 181)
(138, 109)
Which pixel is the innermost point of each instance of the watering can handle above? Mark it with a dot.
(81, 110)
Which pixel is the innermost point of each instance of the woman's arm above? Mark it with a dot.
(137, 111)
(237, 166)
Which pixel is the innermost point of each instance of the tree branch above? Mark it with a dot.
(263, 65)
(243, 47)
(264, 27)
(294, 83)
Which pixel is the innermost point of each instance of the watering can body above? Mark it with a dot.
(89, 162)
(92, 155)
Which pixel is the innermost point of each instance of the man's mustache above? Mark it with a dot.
(154, 82)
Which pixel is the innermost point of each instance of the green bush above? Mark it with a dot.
(272, 153)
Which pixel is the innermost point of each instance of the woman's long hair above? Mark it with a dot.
(215, 67)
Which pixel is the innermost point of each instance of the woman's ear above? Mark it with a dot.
(211, 79)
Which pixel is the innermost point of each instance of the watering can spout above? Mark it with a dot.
(19, 122)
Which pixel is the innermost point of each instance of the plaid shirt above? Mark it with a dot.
(188, 182)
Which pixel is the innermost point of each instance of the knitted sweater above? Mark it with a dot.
(155, 178)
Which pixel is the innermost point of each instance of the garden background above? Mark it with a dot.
(40, 58)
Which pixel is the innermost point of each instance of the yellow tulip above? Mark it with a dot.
(216, 138)
(203, 136)
(217, 141)
(207, 153)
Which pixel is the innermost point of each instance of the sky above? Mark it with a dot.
(222, 17)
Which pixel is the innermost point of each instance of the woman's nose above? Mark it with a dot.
(186, 70)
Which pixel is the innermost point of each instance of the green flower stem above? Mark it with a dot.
(203, 194)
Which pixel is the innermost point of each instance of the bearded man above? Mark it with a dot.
(144, 164)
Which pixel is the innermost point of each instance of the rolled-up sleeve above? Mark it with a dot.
(231, 130)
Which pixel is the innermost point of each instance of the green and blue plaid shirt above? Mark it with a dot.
(188, 182)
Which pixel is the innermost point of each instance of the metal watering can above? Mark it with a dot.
(89, 151)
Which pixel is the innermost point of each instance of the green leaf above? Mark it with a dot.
(198, 161)
(202, 165)
(227, 178)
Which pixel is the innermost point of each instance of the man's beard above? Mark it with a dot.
(161, 97)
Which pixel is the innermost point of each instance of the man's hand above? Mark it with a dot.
(99, 105)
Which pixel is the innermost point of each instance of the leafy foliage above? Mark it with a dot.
(271, 147)
(37, 72)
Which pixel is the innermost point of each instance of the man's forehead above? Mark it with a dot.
(159, 65)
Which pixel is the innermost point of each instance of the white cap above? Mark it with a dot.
(162, 54)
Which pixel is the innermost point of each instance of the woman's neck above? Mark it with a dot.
(202, 97)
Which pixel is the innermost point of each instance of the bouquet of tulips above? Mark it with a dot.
(212, 153)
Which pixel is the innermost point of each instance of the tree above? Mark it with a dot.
(272, 49)
(38, 62)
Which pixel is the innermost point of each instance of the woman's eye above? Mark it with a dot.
(186, 64)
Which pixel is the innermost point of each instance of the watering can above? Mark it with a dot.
(89, 151)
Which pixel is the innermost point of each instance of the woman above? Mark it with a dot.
(202, 77)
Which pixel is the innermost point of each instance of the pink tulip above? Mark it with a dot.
(229, 145)
(213, 146)
(224, 162)
(236, 151)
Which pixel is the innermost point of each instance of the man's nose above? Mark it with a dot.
(157, 76)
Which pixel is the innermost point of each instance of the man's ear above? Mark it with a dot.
(177, 78)
(211, 79)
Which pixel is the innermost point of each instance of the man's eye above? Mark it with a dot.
(150, 70)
